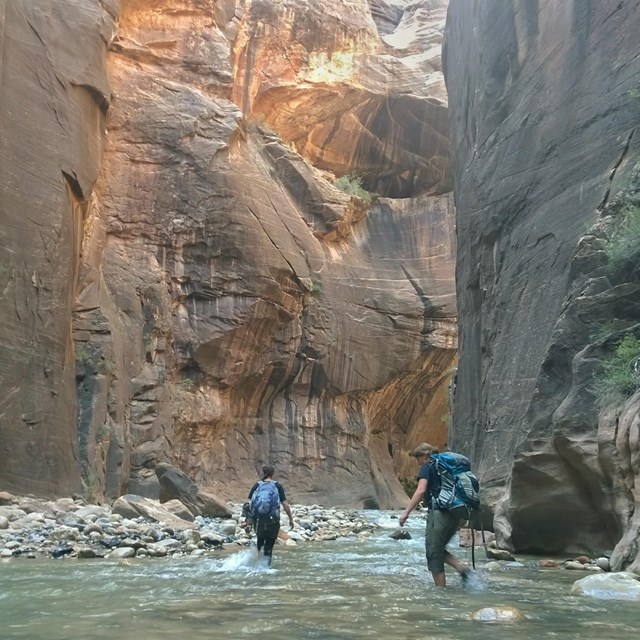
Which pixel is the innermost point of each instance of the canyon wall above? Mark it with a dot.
(54, 93)
(185, 283)
(544, 115)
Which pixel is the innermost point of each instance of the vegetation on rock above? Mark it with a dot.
(353, 186)
(623, 246)
(621, 369)
(409, 485)
(621, 372)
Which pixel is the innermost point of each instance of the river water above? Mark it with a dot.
(335, 590)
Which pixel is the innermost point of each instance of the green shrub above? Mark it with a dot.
(624, 243)
(188, 384)
(620, 373)
(106, 367)
(409, 485)
(353, 186)
(82, 354)
(91, 483)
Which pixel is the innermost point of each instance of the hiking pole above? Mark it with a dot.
(473, 545)
(484, 542)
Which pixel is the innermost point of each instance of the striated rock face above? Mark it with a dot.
(54, 93)
(544, 125)
(232, 306)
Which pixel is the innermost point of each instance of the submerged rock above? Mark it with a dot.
(548, 564)
(497, 614)
(499, 554)
(609, 586)
(400, 534)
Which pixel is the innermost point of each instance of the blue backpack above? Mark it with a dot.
(459, 487)
(265, 501)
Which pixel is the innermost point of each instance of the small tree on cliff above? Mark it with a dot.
(353, 186)
(620, 373)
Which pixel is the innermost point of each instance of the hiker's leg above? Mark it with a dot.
(439, 578)
(452, 561)
(457, 518)
(260, 535)
(268, 547)
(436, 538)
(441, 526)
(271, 535)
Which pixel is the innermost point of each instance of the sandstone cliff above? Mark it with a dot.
(181, 279)
(545, 116)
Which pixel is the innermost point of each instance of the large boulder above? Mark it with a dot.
(624, 585)
(132, 506)
(174, 484)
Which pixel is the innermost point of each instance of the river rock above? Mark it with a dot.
(574, 566)
(122, 552)
(548, 564)
(91, 512)
(178, 509)
(400, 534)
(497, 614)
(6, 498)
(4, 522)
(132, 506)
(624, 585)
(228, 528)
(499, 554)
(466, 537)
(101, 529)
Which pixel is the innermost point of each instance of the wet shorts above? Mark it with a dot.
(441, 526)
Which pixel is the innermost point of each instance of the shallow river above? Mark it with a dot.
(348, 589)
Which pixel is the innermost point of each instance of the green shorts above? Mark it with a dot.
(441, 527)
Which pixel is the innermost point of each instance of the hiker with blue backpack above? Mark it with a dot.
(451, 491)
(265, 498)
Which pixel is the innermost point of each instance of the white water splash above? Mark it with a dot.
(476, 581)
(248, 560)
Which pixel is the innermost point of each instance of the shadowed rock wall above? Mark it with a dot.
(544, 127)
(54, 93)
(228, 305)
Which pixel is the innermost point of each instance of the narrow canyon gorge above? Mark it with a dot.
(316, 234)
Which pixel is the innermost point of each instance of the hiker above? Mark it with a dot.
(442, 523)
(265, 499)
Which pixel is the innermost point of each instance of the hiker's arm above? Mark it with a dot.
(287, 508)
(417, 497)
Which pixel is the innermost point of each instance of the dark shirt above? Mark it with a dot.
(278, 487)
(429, 473)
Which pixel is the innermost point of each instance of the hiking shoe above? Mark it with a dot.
(471, 579)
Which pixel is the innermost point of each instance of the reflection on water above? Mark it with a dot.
(349, 589)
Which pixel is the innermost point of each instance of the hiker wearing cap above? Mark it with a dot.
(265, 498)
(442, 523)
